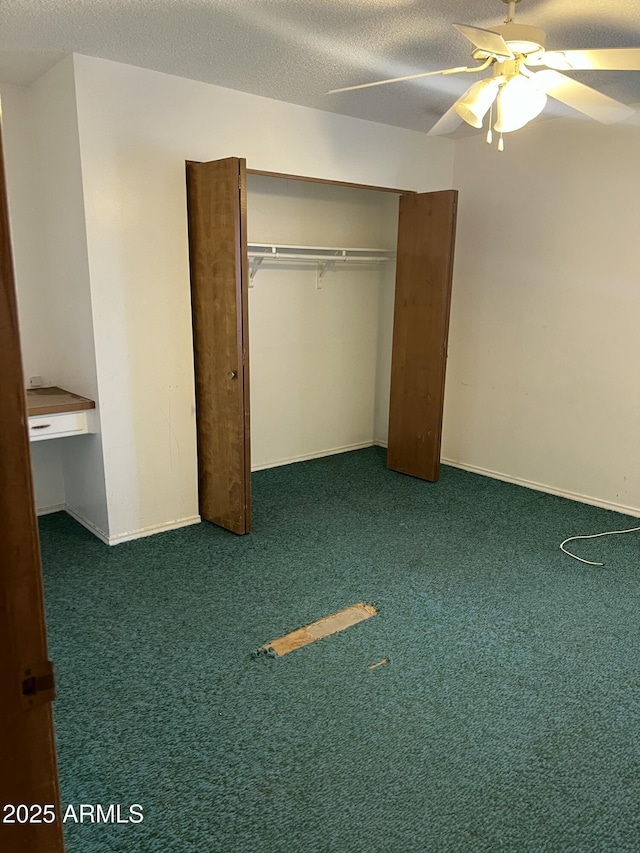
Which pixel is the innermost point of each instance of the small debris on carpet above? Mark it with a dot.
(380, 663)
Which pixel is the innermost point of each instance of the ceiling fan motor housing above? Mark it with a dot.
(522, 39)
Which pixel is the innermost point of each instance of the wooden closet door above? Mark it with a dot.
(216, 202)
(426, 236)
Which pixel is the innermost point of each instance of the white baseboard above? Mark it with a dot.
(154, 528)
(474, 469)
(318, 455)
(134, 534)
(541, 487)
(47, 510)
(91, 527)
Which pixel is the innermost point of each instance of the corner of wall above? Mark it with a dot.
(61, 283)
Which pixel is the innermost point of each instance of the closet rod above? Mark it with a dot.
(284, 256)
(325, 258)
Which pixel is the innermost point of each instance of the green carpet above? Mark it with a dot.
(508, 717)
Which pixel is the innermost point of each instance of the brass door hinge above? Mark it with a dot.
(38, 684)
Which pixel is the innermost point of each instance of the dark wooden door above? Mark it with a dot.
(426, 237)
(28, 770)
(217, 211)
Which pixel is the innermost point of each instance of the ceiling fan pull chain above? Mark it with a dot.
(501, 143)
(490, 131)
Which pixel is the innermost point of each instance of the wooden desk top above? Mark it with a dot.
(55, 401)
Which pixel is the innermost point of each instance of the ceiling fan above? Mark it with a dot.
(511, 51)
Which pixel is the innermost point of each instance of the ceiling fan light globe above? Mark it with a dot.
(466, 115)
(476, 101)
(519, 101)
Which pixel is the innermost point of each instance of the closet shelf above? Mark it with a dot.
(324, 257)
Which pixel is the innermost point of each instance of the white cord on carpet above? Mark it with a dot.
(592, 536)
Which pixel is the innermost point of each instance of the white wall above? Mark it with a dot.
(542, 383)
(314, 352)
(48, 233)
(36, 332)
(48, 476)
(27, 229)
(136, 129)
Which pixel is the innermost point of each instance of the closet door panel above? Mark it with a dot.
(426, 237)
(216, 201)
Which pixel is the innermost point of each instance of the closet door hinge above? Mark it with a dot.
(38, 684)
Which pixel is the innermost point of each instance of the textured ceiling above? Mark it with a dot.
(295, 50)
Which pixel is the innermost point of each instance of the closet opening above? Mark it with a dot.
(320, 316)
(319, 330)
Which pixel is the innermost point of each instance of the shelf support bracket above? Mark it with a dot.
(321, 271)
(255, 264)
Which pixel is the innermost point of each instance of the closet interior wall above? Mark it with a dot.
(320, 357)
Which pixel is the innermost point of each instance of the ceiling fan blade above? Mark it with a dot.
(582, 98)
(485, 40)
(398, 79)
(447, 124)
(607, 59)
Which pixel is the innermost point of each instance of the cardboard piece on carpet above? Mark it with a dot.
(319, 629)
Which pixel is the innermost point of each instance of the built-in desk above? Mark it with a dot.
(56, 413)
